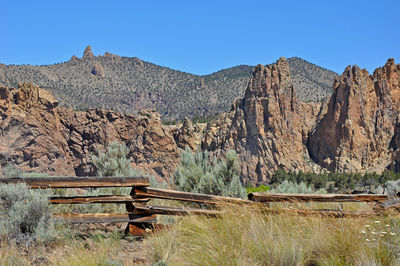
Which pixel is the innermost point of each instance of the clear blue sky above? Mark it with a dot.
(203, 36)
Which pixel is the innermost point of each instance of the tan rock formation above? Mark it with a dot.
(215, 133)
(266, 127)
(98, 70)
(357, 131)
(88, 52)
(29, 131)
(188, 135)
(36, 135)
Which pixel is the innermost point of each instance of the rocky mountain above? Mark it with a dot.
(128, 84)
(37, 135)
(357, 129)
(267, 128)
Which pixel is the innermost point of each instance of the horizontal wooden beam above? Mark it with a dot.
(269, 197)
(105, 218)
(149, 192)
(167, 210)
(95, 199)
(391, 203)
(78, 182)
(321, 213)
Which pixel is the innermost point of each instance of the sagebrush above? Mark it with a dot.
(198, 173)
(293, 187)
(25, 215)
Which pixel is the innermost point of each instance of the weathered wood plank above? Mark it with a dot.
(391, 203)
(269, 197)
(106, 218)
(322, 213)
(167, 210)
(78, 182)
(95, 199)
(149, 192)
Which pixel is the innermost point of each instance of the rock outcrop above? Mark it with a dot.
(29, 131)
(265, 127)
(36, 135)
(87, 53)
(359, 130)
(188, 135)
(98, 70)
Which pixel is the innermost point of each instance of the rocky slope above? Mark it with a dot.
(37, 135)
(128, 84)
(306, 77)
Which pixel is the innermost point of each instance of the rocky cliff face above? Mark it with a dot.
(356, 130)
(359, 130)
(29, 131)
(267, 127)
(36, 135)
(187, 135)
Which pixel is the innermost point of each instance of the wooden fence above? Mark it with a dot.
(140, 215)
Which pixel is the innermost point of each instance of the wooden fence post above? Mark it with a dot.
(139, 228)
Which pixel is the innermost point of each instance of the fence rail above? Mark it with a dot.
(269, 197)
(79, 182)
(156, 193)
(78, 218)
(140, 215)
(94, 199)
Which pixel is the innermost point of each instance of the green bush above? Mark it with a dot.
(114, 161)
(25, 214)
(10, 171)
(199, 173)
(393, 187)
(292, 187)
(261, 188)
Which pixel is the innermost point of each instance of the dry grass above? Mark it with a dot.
(94, 250)
(241, 236)
(74, 252)
(246, 236)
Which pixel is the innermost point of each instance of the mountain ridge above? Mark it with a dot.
(129, 84)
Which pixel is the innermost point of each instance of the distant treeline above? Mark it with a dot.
(337, 182)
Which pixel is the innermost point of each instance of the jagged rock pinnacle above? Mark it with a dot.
(88, 52)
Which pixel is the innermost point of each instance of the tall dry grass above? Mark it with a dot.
(89, 252)
(246, 236)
